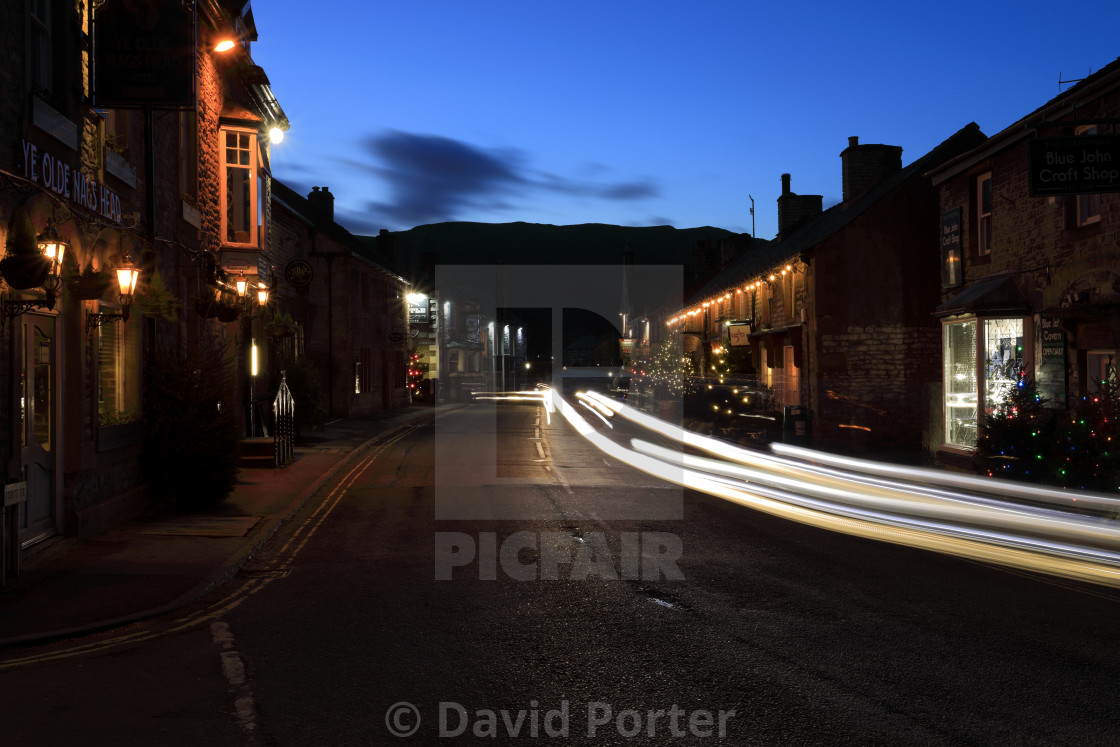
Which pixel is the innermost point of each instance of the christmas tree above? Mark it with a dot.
(1087, 440)
(1017, 438)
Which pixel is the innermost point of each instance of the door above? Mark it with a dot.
(38, 403)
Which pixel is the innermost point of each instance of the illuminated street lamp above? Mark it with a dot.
(127, 278)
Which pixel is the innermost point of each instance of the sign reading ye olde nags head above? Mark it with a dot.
(1074, 165)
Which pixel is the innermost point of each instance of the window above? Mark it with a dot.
(1088, 206)
(118, 371)
(243, 217)
(40, 64)
(363, 371)
(999, 349)
(1100, 368)
(984, 214)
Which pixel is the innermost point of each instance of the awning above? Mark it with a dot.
(988, 297)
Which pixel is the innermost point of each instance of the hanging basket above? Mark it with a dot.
(207, 308)
(25, 271)
(89, 286)
(228, 313)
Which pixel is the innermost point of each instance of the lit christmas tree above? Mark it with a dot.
(669, 368)
(417, 370)
(1017, 440)
(1087, 441)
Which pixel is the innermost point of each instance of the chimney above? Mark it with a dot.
(795, 209)
(387, 245)
(867, 165)
(322, 204)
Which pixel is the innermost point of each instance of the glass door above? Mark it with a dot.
(38, 400)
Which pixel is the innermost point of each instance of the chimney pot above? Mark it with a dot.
(785, 184)
(853, 141)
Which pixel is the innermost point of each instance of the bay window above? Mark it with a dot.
(243, 188)
(984, 359)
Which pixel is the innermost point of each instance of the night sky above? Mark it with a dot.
(641, 112)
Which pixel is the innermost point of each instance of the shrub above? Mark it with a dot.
(192, 427)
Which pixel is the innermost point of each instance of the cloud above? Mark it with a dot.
(431, 179)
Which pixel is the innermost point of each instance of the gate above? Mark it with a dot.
(284, 412)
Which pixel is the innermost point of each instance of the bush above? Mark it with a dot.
(192, 427)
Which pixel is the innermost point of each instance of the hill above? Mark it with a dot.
(537, 244)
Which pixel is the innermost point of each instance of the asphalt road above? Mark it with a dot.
(495, 573)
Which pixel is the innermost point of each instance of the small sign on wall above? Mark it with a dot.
(951, 271)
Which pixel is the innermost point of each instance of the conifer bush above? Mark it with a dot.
(192, 427)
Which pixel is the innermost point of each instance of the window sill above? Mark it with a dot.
(116, 436)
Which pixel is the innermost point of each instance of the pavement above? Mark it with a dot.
(162, 561)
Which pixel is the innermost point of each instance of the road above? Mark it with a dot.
(494, 574)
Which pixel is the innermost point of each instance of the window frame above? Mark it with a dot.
(980, 398)
(983, 217)
(255, 184)
(1087, 207)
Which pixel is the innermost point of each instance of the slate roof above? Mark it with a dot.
(803, 239)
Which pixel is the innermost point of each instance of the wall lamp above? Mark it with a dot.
(51, 248)
(127, 276)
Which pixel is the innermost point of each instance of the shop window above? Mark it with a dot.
(1088, 206)
(971, 389)
(984, 214)
(243, 187)
(363, 371)
(1100, 370)
(118, 371)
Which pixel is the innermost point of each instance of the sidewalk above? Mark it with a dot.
(158, 563)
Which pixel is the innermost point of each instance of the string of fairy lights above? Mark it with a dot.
(753, 287)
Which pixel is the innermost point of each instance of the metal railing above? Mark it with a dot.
(284, 431)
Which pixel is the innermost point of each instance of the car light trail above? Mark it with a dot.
(884, 502)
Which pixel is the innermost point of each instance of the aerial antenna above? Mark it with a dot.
(1071, 80)
(752, 213)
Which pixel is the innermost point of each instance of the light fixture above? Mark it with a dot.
(415, 297)
(242, 284)
(276, 136)
(53, 248)
(225, 44)
(127, 277)
(262, 295)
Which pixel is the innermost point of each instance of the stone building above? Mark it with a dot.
(834, 315)
(350, 308)
(153, 165)
(1030, 270)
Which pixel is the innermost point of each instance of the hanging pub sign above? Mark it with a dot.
(144, 54)
(299, 273)
(738, 335)
(1079, 164)
(951, 274)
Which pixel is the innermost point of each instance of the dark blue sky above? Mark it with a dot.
(641, 112)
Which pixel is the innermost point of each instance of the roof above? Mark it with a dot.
(829, 223)
(999, 295)
(302, 209)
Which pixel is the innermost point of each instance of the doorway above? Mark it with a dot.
(36, 411)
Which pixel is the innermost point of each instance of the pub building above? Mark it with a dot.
(134, 196)
(1030, 262)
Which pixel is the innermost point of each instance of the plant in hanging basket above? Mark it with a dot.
(281, 325)
(89, 284)
(206, 306)
(24, 271)
(228, 312)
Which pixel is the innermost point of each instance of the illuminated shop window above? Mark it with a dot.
(118, 371)
(971, 388)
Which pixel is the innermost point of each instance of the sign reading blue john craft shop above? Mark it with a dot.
(143, 54)
(1079, 164)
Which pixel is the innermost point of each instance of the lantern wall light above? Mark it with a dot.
(52, 248)
(127, 277)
